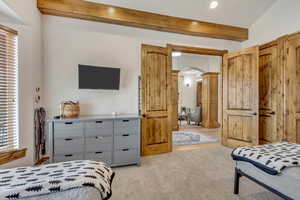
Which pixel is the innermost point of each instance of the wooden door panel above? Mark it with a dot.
(265, 82)
(269, 88)
(157, 131)
(297, 104)
(239, 82)
(292, 88)
(156, 81)
(240, 98)
(266, 128)
(239, 128)
(156, 101)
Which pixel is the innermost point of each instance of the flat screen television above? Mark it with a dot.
(92, 77)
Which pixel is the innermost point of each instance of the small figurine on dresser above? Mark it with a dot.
(69, 109)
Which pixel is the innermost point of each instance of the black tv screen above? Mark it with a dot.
(92, 77)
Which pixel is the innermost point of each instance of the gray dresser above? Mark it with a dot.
(111, 139)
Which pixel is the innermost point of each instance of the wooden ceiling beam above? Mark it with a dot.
(123, 16)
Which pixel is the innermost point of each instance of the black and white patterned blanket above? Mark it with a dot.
(33, 181)
(271, 158)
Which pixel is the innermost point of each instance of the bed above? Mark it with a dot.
(258, 164)
(73, 180)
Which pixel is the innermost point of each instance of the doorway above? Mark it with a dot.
(157, 97)
(196, 97)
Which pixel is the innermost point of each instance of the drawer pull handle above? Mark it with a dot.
(99, 138)
(68, 123)
(99, 122)
(125, 135)
(125, 149)
(99, 152)
(68, 139)
(69, 155)
(125, 120)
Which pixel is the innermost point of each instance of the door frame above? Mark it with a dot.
(193, 50)
(200, 51)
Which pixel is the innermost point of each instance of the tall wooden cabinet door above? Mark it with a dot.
(292, 89)
(240, 98)
(269, 88)
(156, 101)
(174, 100)
(199, 94)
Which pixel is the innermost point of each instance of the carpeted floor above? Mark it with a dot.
(202, 174)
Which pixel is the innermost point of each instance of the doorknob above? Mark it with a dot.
(144, 115)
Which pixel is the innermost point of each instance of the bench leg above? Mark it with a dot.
(237, 177)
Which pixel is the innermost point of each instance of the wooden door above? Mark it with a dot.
(210, 97)
(156, 101)
(240, 98)
(292, 89)
(174, 100)
(269, 86)
(199, 94)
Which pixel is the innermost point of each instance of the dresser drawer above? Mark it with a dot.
(99, 143)
(68, 145)
(66, 129)
(126, 156)
(127, 126)
(105, 157)
(68, 157)
(102, 124)
(126, 141)
(127, 122)
(98, 132)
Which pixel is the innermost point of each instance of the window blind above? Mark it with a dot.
(8, 89)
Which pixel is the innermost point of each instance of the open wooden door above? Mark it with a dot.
(292, 88)
(156, 101)
(240, 98)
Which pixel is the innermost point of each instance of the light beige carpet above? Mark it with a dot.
(204, 174)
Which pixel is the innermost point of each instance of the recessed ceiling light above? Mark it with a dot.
(176, 54)
(214, 4)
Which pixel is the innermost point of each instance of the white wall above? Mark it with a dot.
(191, 60)
(69, 42)
(30, 71)
(187, 95)
(280, 19)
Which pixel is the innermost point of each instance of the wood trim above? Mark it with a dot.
(5, 28)
(81, 9)
(42, 161)
(11, 155)
(197, 50)
(268, 44)
(210, 73)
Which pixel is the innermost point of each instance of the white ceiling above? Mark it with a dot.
(7, 15)
(230, 12)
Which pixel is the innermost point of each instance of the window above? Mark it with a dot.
(8, 89)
